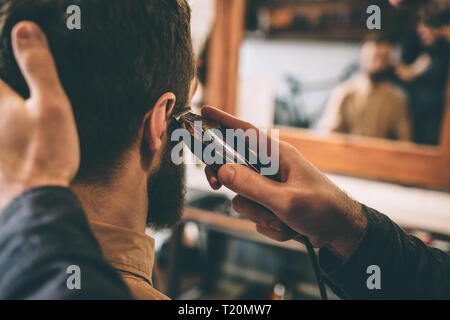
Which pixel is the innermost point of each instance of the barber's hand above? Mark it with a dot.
(410, 72)
(38, 137)
(304, 202)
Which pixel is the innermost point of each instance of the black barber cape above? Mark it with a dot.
(406, 267)
(44, 239)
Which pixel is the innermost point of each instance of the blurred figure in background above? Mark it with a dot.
(370, 104)
(424, 72)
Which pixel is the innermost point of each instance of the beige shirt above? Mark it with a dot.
(359, 107)
(132, 254)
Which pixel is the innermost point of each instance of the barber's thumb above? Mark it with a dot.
(226, 175)
(28, 40)
(34, 58)
(248, 183)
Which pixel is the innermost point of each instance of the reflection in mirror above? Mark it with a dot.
(315, 65)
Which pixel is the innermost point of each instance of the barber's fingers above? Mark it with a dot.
(275, 235)
(252, 134)
(226, 119)
(231, 122)
(258, 214)
(35, 60)
(251, 185)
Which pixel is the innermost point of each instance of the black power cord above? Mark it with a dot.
(315, 265)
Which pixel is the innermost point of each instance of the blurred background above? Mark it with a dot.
(313, 69)
(328, 66)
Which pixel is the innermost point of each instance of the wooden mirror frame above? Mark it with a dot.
(399, 162)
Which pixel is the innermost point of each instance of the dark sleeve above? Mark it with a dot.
(408, 268)
(42, 233)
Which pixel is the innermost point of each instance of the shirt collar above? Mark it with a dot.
(126, 250)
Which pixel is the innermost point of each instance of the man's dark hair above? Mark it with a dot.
(436, 13)
(126, 55)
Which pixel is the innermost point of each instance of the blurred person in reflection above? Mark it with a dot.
(370, 104)
(424, 73)
(125, 75)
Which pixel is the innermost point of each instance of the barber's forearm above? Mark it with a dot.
(408, 269)
(351, 234)
(42, 233)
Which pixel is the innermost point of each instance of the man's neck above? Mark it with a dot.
(123, 203)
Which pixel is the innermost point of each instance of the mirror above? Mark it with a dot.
(251, 95)
(315, 65)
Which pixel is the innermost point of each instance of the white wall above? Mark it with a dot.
(408, 206)
(264, 63)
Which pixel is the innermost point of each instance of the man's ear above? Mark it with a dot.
(156, 124)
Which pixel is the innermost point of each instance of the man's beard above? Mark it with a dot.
(166, 190)
(383, 75)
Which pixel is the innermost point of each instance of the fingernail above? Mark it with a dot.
(215, 183)
(276, 225)
(27, 31)
(226, 174)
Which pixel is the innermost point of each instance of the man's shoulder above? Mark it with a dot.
(354, 84)
(394, 92)
(346, 88)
